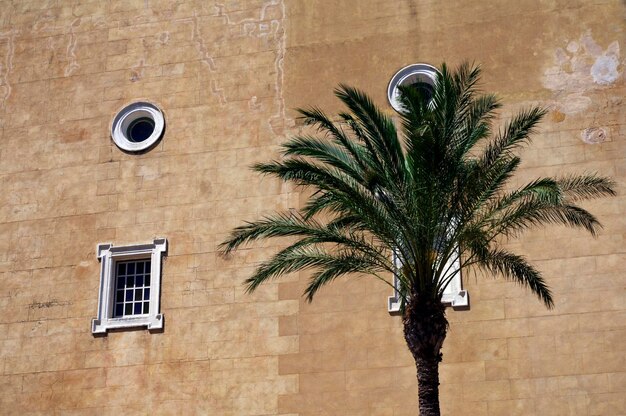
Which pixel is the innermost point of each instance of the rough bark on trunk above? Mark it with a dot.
(428, 386)
(425, 327)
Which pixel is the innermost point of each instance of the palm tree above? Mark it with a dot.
(434, 193)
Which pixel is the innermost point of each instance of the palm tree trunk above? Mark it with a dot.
(428, 386)
(425, 327)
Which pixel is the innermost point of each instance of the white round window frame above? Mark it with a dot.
(410, 75)
(130, 113)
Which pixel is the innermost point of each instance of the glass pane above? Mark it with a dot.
(132, 288)
(140, 129)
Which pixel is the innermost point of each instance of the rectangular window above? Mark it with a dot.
(453, 295)
(130, 286)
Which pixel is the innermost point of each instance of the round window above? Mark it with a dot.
(138, 127)
(422, 77)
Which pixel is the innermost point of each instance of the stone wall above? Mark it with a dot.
(507, 355)
(227, 75)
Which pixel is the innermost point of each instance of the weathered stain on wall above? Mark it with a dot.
(594, 135)
(72, 64)
(6, 66)
(577, 68)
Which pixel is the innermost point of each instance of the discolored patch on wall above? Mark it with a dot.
(72, 62)
(594, 135)
(578, 69)
(7, 42)
(557, 116)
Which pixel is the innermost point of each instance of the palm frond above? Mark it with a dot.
(298, 258)
(586, 187)
(477, 125)
(516, 268)
(535, 213)
(325, 152)
(378, 129)
(315, 116)
(515, 134)
(337, 265)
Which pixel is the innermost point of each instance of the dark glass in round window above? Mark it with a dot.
(425, 90)
(140, 129)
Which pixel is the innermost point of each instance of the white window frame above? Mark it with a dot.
(124, 119)
(453, 295)
(409, 75)
(109, 255)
